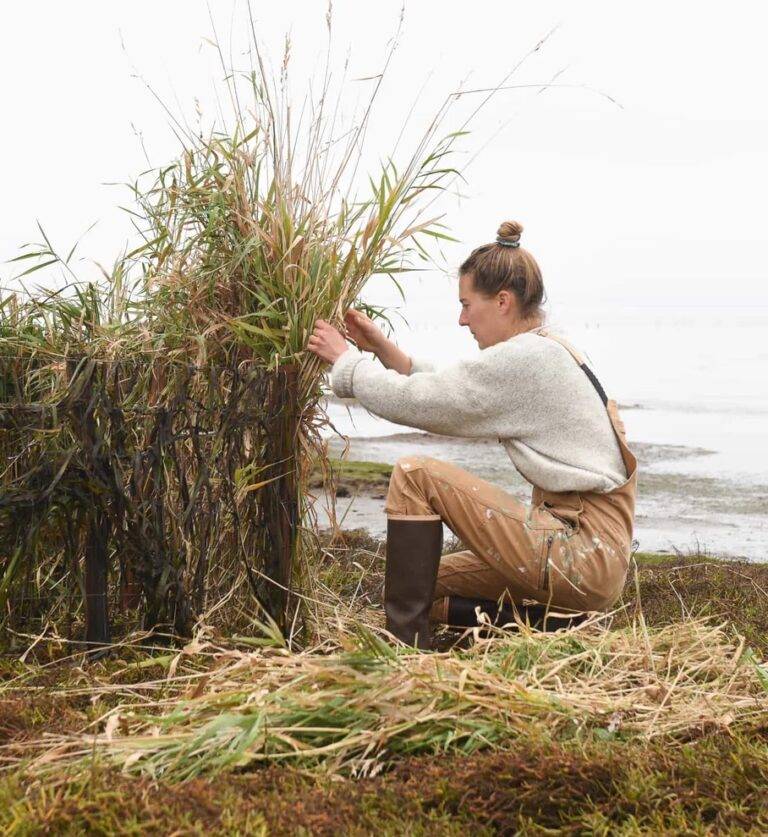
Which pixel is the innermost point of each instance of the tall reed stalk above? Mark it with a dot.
(166, 421)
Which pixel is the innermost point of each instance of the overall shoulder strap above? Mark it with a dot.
(630, 462)
(579, 358)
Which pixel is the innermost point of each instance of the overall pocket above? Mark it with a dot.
(567, 508)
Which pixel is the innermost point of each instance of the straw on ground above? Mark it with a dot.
(365, 704)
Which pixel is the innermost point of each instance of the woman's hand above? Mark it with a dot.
(327, 342)
(363, 331)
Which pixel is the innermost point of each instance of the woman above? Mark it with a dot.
(528, 388)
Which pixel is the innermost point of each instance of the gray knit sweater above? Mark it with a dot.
(527, 391)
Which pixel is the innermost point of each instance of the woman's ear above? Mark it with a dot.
(505, 301)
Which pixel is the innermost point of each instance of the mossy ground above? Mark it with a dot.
(713, 784)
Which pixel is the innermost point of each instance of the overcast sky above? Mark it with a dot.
(662, 199)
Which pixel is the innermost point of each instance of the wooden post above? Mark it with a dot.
(281, 503)
(96, 575)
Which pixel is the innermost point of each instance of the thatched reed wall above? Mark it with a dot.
(148, 486)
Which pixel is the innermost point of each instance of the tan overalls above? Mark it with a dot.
(570, 550)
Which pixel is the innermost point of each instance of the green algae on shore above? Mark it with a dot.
(353, 475)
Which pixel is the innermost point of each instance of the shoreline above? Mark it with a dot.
(664, 519)
(701, 488)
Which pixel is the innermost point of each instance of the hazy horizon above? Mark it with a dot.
(658, 201)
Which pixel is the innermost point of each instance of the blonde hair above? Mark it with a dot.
(505, 265)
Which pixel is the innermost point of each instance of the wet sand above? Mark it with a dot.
(681, 508)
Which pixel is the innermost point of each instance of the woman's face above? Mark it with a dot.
(490, 319)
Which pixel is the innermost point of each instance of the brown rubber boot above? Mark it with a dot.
(413, 556)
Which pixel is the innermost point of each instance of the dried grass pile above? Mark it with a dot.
(355, 708)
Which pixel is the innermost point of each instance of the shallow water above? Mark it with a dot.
(702, 483)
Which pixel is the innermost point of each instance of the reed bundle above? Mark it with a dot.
(166, 421)
(356, 708)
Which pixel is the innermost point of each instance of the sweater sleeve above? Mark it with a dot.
(343, 369)
(470, 398)
(421, 365)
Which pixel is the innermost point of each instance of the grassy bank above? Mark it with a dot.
(708, 780)
(353, 476)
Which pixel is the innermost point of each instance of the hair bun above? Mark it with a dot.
(509, 231)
